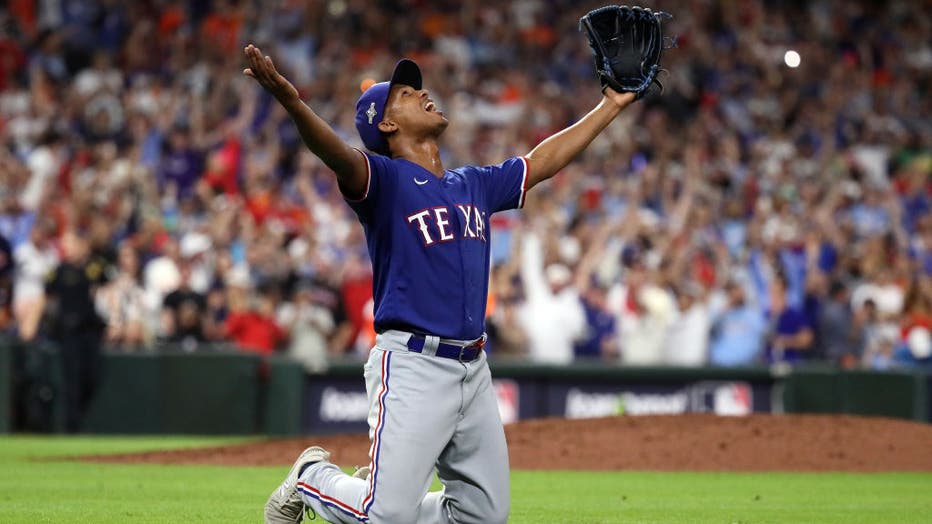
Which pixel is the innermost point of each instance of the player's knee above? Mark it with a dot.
(485, 510)
(496, 513)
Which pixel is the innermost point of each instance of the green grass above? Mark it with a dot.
(36, 487)
(589, 497)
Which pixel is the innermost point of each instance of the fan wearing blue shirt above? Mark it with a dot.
(738, 333)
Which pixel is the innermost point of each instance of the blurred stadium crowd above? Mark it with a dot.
(753, 213)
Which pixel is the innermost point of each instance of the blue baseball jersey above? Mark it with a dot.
(428, 239)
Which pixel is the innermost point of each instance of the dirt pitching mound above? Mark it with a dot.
(657, 443)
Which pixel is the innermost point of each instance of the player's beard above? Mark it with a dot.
(440, 127)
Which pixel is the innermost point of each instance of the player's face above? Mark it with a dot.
(412, 111)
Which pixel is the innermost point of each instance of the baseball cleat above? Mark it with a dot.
(284, 505)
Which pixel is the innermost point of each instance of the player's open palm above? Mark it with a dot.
(621, 99)
(263, 70)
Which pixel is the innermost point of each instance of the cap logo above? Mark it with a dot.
(371, 112)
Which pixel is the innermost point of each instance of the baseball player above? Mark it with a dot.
(432, 405)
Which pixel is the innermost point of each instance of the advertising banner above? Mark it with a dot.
(720, 397)
(339, 405)
(335, 405)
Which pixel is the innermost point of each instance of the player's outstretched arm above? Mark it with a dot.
(318, 136)
(554, 153)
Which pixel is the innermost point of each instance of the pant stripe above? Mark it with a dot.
(332, 502)
(343, 507)
(377, 444)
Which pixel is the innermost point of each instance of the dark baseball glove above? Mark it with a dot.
(627, 42)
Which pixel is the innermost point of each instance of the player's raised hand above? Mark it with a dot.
(263, 70)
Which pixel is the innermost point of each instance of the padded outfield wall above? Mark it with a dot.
(232, 393)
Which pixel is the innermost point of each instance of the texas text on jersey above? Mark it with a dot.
(427, 239)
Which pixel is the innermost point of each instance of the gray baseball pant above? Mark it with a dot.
(425, 412)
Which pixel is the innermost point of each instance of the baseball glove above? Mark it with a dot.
(627, 43)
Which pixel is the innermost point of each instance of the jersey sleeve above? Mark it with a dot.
(506, 184)
(379, 187)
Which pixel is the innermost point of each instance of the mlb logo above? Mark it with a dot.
(733, 399)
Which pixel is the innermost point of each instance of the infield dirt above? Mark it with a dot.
(648, 443)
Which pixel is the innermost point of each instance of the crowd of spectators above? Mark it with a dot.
(753, 213)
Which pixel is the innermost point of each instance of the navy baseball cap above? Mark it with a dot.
(370, 108)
